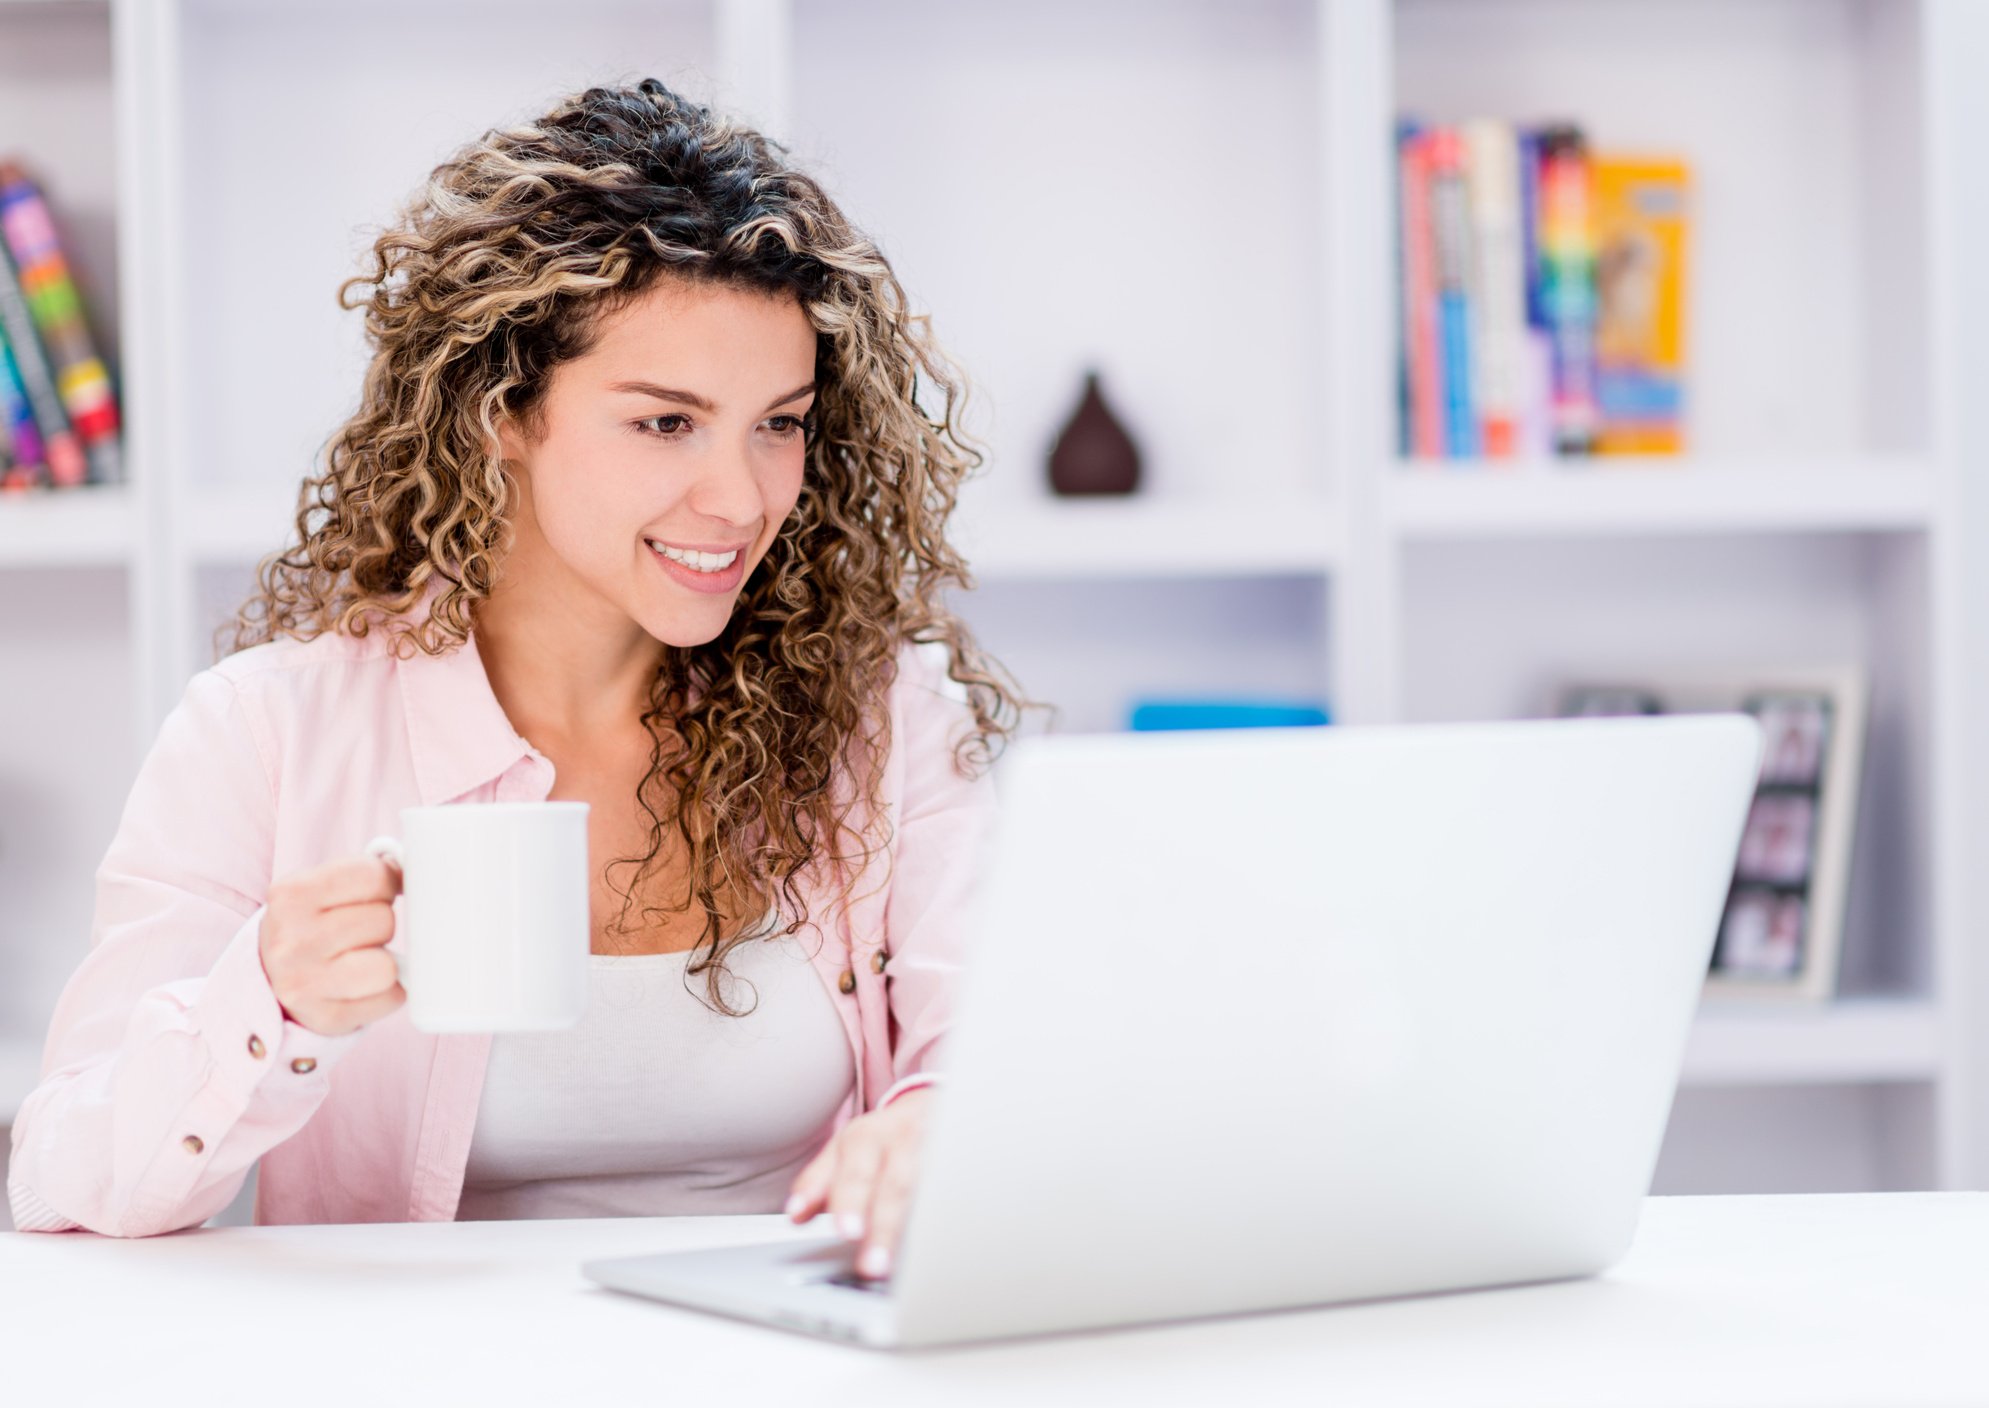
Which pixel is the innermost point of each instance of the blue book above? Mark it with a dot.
(1450, 221)
(1529, 215)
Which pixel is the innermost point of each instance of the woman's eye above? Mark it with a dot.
(669, 426)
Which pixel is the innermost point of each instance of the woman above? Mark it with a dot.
(638, 509)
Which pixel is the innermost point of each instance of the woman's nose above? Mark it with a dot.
(727, 488)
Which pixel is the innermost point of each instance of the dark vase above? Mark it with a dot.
(1093, 453)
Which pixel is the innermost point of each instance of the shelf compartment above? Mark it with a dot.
(279, 363)
(1097, 648)
(1808, 296)
(1036, 253)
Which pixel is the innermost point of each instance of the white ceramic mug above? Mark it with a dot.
(496, 930)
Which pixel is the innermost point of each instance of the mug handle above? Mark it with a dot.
(388, 849)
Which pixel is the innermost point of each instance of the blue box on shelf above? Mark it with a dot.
(1153, 715)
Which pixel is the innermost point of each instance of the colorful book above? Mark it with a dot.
(1405, 131)
(81, 380)
(1528, 141)
(60, 447)
(10, 478)
(1540, 293)
(1421, 365)
(27, 465)
(1492, 186)
(1536, 431)
(1640, 223)
(1450, 221)
(1567, 285)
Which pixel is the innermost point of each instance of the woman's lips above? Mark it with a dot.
(710, 583)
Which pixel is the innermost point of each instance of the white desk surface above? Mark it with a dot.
(1876, 1300)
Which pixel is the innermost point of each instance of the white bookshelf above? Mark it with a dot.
(1185, 536)
(1066, 197)
(1852, 1041)
(91, 527)
(1633, 498)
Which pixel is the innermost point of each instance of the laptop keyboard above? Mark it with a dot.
(860, 1283)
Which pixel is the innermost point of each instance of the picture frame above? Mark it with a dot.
(1781, 932)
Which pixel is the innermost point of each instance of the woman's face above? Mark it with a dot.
(669, 455)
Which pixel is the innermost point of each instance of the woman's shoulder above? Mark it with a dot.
(931, 713)
(328, 649)
(922, 674)
(290, 672)
(259, 697)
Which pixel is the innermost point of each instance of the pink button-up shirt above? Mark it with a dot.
(169, 1068)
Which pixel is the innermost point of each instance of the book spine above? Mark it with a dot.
(12, 476)
(1641, 225)
(1451, 223)
(1567, 269)
(29, 467)
(63, 453)
(1536, 436)
(1404, 430)
(1492, 185)
(1527, 140)
(1425, 428)
(81, 379)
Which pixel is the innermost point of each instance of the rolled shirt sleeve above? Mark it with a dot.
(169, 1067)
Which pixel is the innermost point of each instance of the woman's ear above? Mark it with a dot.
(520, 428)
(511, 437)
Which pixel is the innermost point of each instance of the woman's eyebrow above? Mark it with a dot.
(690, 398)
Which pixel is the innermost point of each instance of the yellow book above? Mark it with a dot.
(1641, 219)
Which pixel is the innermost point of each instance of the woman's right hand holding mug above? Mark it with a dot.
(324, 939)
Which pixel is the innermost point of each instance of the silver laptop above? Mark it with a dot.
(1284, 1017)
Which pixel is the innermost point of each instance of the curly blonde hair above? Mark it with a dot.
(497, 272)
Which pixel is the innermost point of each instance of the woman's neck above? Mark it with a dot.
(566, 665)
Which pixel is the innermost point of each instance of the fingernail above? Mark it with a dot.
(875, 1262)
(851, 1225)
(795, 1204)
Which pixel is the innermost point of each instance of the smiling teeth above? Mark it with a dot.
(697, 561)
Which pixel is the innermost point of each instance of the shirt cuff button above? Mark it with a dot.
(847, 982)
(192, 1144)
(304, 1065)
(877, 961)
(255, 1046)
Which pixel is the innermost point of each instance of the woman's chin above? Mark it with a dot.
(686, 629)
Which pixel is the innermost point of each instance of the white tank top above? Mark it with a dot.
(656, 1104)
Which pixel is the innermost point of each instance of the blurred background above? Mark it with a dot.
(1341, 362)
